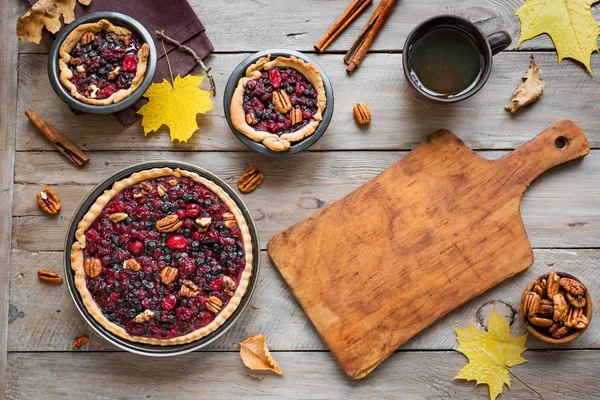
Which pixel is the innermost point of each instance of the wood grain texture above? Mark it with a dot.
(385, 262)
(413, 375)
(8, 92)
(400, 121)
(235, 25)
(274, 311)
(561, 209)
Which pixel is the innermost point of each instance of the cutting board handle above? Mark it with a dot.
(561, 142)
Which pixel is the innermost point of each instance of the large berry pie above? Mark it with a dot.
(101, 63)
(279, 101)
(164, 257)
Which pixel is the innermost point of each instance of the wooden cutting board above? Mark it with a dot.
(431, 232)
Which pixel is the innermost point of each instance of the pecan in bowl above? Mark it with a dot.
(556, 308)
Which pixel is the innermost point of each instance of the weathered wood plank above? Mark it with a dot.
(242, 25)
(561, 209)
(273, 310)
(400, 121)
(413, 375)
(8, 92)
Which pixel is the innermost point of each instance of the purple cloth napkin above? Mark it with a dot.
(176, 18)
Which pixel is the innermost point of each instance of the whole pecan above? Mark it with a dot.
(530, 304)
(576, 301)
(540, 287)
(214, 304)
(362, 113)
(189, 289)
(546, 309)
(118, 217)
(560, 307)
(80, 341)
(144, 316)
(542, 322)
(572, 286)
(229, 220)
(296, 116)
(48, 201)
(168, 275)
(170, 223)
(250, 180)
(281, 101)
(49, 276)
(558, 330)
(229, 285)
(87, 37)
(576, 319)
(552, 285)
(132, 265)
(92, 267)
(251, 118)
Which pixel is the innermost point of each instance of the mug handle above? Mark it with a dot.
(498, 41)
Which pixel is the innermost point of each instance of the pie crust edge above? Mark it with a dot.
(77, 257)
(71, 41)
(271, 140)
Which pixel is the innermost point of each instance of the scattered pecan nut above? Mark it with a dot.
(251, 118)
(75, 61)
(114, 74)
(168, 275)
(146, 186)
(229, 220)
(552, 286)
(132, 265)
(173, 182)
(576, 301)
(118, 217)
(160, 189)
(87, 37)
(92, 267)
(281, 101)
(48, 201)
(250, 180)
(144, 316)
(296, 116)
(558, 330)
(49, 276)
(203, 223)
(560, 307)
(214, 304)
(530, 304)
(362, 113)
(229, 285)
(168, 224)
(572, 286)
(80, 341)
(541, 322)
(189, 289)
(92, 91)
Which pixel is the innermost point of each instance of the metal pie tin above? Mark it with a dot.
(119, 20)
(147, 349)
(240, 71)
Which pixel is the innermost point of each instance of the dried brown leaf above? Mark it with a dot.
(45, 13)
(256, 356)
(529, 91)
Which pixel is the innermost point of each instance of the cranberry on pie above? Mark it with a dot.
(163, 258)
(279, 102)
(101, 63)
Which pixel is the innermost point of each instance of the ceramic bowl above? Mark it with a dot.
(146, 349)
(542, 333)
(119, 20)
(240, 71)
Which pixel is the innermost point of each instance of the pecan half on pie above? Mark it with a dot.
(101, 63)
(163, 258)
(279, 101)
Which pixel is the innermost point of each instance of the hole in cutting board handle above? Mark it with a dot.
(561, 142)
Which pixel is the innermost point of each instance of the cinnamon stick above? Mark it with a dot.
(359, 49)
(60, 141)
(349, 15)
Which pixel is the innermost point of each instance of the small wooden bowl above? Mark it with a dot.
(545, 336)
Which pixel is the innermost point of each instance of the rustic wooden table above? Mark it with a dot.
(561, 211)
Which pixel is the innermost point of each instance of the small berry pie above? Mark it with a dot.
(164, 257)
(101, 63)
(279, 101)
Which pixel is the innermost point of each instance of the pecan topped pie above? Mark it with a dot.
(279, 101)
(164, 257)
(101, 63)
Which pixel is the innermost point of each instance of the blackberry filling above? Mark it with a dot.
(262, 113)
(104, 65)
(171, 257)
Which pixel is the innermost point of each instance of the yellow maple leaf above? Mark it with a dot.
(569, 23)
(175, 106)
(490, 353)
